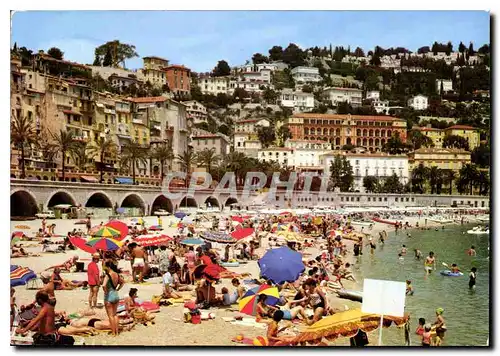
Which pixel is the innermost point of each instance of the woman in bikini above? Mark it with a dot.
(317, 299)
(263, 310)
(440, 326)
(66, 265)
(111, 285)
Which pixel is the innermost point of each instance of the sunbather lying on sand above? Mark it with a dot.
(66, 266)
(88, 325)
(20, 252)
(131, 305)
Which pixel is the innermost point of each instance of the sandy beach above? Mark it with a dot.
(169, 328)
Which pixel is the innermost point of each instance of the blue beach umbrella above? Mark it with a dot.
(281, 265)
(192, 242)
(20, 275)
(180, 214)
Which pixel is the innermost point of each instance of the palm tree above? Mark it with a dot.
(207, 158)
(133, 153)
(483, 181)
(79, 154)
(66, 144)
(101, 148)
(237, 163)
(435, 179)
(186, 160)
(448, 177)
(469, 175)
(163, 153)
(22, 134)
(418, 178)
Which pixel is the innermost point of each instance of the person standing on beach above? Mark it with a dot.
(44, 225)
(88, 225)
(94, 279)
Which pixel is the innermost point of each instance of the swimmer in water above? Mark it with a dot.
(430, 263)
(454, 268)
(418, 254)
(403, 250)
(408, 235)
(472, 278)
(409, 288)
(472, 251)
(400, 257)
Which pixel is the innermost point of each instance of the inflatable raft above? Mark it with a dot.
(449, 273)
(351, 295)
(384, 221)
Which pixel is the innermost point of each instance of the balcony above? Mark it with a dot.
(110, 111)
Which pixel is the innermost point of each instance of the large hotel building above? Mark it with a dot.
(370, 132)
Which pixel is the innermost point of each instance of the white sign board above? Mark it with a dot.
(384, 297)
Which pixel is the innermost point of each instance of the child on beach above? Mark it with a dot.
(420, 327)
(472, 278)
(409, 288)
(403, 250)
(426, 336)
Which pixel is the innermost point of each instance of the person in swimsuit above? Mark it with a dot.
(420, 328)
(454, 268)
(12, 306)
(472, 278)
(111, 285)
(418, 254)
(430, 263)
(273, 330)
(440, 326)
(471, 251)
(403, 250)
(66, 266)
(190, 260)
(372, 246)
(263, 310)
(409, 288)
(317, 299)
(426, 336)
(139, 261)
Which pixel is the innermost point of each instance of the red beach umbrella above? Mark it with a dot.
(120, 226)
(80, 243)
(237, 219)
(152, 240)
(242, 233)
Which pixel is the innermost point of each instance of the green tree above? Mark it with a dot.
(222, 100)
(461, 47)
(108, 59)
(294, 56)
(392, 185)
(435, 179)
(395, 145)
(66, 145)
(276, 53)
(259, 58)
(116, 53)
(483, 182)
(307, 88)
(484, 49)
(418, 140)
(163, 153)
(342, 175)
(375, 61)
(471, 51)
(240, 94)
(266, 136)
(80, 154)
(469, 176)
(97, 61)
(455, 141)
(449, 176)
(344, 108)
(102, 148)
(132, 154)
(481, 155)
(370, 183)
(221, 69)
(419, 177)
(283, 134)
(22, 136)
(56, 53)
(186, 161)
(449, 48)
(358, 52)
(207, 159)
(270, 96)
(423, 50)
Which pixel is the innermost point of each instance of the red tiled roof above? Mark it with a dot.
(155, 57)
(277, 149)
(460, 127)
(343, 117)
(149, 99)
(425, 129)
(177, 66)
(49, 58)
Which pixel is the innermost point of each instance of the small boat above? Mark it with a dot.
(161, 212)
(351, 295)
(449, 273)
(478, 230)
(441, 220)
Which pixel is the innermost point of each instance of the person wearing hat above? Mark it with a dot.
(94, 280)
(440, 326)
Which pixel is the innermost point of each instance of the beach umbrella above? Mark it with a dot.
(211, 272)
(155, 228)
(180, 214)
(219, 237)
(20, 275)
(120, 226)
(17, 234)
(238, 219)
(22, 227)
(281, 265)
(242, 233)
(15, 240)
(63, 206)
(152, 240)
(81, 244)
(248, 303)
(106, 231)
(346, 324)
(192, 242)
(104, 243)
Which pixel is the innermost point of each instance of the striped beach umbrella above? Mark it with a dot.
(22, 227)
(248, 304)
(104, 243)
(107, 232)
(152, 240)
(192, 242)
(20, 275)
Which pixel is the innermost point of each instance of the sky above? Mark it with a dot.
(198, 39)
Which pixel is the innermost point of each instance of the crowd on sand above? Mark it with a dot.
(305, 300)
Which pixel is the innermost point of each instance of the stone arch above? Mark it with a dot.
(99, 200)
(365, 142)
(377, 133)
(230, 200)
(214, 202)
(188, 202)
(370, 142)
(61, 197)
(162, 202)
(133, 200)
(358, 132)
(382, 141)
(365, 132)
(376, 142)
(358, 142)
(13, 176)
(389, 133)
(337, 141)
(382, 133)
(23, 203)
(370, 133)
(348, 141)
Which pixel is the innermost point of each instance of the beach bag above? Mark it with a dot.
(187, 317)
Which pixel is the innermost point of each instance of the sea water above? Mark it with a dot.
(466, 312)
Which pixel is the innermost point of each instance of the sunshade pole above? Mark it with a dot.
(380, 331)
